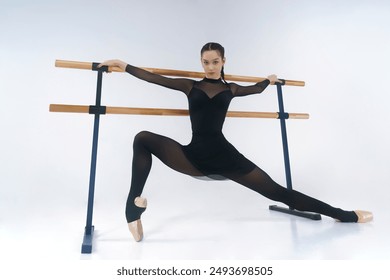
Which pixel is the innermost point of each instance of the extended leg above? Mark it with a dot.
(261, 182)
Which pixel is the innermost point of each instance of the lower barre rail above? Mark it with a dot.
(63, 108)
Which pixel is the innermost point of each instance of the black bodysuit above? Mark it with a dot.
(208, 102)
(209, 153)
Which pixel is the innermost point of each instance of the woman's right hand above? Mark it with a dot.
(114, 63)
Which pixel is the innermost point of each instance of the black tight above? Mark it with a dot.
(170, 153)
(167, 150)
(261, 182)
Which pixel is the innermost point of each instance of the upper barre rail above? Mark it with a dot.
(169, 72)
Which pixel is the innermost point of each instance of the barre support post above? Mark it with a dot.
(86, 247)
(283, 129)
(283, 116)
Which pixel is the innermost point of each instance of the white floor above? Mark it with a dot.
(194, 225)
(235, 225)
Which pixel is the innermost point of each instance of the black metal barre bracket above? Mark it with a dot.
(97, 110)
(283, 115)
(281, 82)
(95, 67)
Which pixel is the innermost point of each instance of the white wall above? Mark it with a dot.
(340, 48)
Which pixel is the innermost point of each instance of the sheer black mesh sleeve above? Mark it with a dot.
(239, 90)
(183, 85)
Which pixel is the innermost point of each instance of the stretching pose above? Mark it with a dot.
(209, 153)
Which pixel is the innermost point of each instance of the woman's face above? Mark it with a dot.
(212, 63)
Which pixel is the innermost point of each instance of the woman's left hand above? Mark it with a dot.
(273, 79)
(114, 63)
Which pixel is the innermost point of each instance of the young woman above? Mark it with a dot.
(209, 153)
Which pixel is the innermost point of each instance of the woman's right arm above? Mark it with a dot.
(183, 85)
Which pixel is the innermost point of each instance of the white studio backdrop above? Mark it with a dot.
(339, 48)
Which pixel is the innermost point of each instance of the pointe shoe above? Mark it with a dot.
(136, 230)
(364, 216)
(135, 227)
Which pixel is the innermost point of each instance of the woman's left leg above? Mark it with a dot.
(260, 182)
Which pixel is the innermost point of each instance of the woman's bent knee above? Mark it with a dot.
(142, 137)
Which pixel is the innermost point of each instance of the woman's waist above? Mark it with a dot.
(208, 138)
(207, 134)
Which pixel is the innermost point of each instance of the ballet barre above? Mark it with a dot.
(63, 108)
(97, 109)
(167, 72)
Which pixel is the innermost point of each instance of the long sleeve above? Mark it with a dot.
(183, 85)
(239, 90)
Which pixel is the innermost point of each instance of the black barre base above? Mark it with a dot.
(309, 215)
(86, 247)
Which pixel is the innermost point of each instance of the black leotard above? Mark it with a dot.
(208, 101)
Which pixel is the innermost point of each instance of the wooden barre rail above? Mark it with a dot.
(167, 112)
(170, 72)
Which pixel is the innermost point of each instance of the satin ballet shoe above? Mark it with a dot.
(136, 230)
(364, 216)
(135, 227)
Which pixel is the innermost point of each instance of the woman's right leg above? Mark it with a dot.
(167, 150)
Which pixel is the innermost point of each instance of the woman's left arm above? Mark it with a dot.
(239, 90)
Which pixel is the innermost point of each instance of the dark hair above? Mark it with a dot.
(212, 46)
